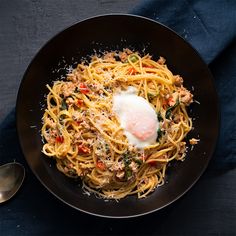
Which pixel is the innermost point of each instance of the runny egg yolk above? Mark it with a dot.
(137, 118)
(140, 125)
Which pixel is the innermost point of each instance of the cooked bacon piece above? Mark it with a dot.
(117, 166)
(178, 80)
(120, 174)
(185, 96)
(134, 166)
(109, 57)
(84, 149)
(68, 88)
(124, 55)
(194, 141)
(161, 61)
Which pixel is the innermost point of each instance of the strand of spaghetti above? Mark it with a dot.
(51, 114)
(152, 146)
(118, 129)
(177, 148)
(141, 66)
(160, 153)
(143, 77)
(51, 90)
(181, 136)
(139, 86)
(90, 77)
(107, 136)
(187, 118)
(48, 150)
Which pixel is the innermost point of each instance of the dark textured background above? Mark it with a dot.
(209, 208)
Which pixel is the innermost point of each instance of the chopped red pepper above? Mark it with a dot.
(101, 165)
(83, 88)
(131, 71)
(169, 101)
(80, 102)
(59, 139)
(84, 149)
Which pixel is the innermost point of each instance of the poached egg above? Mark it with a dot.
(137, 117)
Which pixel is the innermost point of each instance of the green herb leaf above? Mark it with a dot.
(159, 117)
(150, 96)
(160, 133)
(61, 118)
(168, 113)
(127, 161)
(170, 109)
(128, 173)
(133, 58)
(138, 161)
(107, 147)
(64, 105)
(126, 158)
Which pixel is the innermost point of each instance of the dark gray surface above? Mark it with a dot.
(209, 208)
(26, 25)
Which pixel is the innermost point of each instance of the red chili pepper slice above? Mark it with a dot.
(84, 149)
(83, 88)
(80, 102)
(101, 165)
(131, 71)
(59, 139)
(169, 101)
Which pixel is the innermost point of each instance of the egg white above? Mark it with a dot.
(135, 112)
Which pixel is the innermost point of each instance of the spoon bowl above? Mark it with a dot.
(11, 178)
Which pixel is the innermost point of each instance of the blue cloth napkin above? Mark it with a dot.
(210, 27)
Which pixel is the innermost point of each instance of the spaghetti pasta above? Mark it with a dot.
(83, 134)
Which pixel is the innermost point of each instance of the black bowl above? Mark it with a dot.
(115, 32)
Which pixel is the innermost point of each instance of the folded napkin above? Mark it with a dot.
(210, 27)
